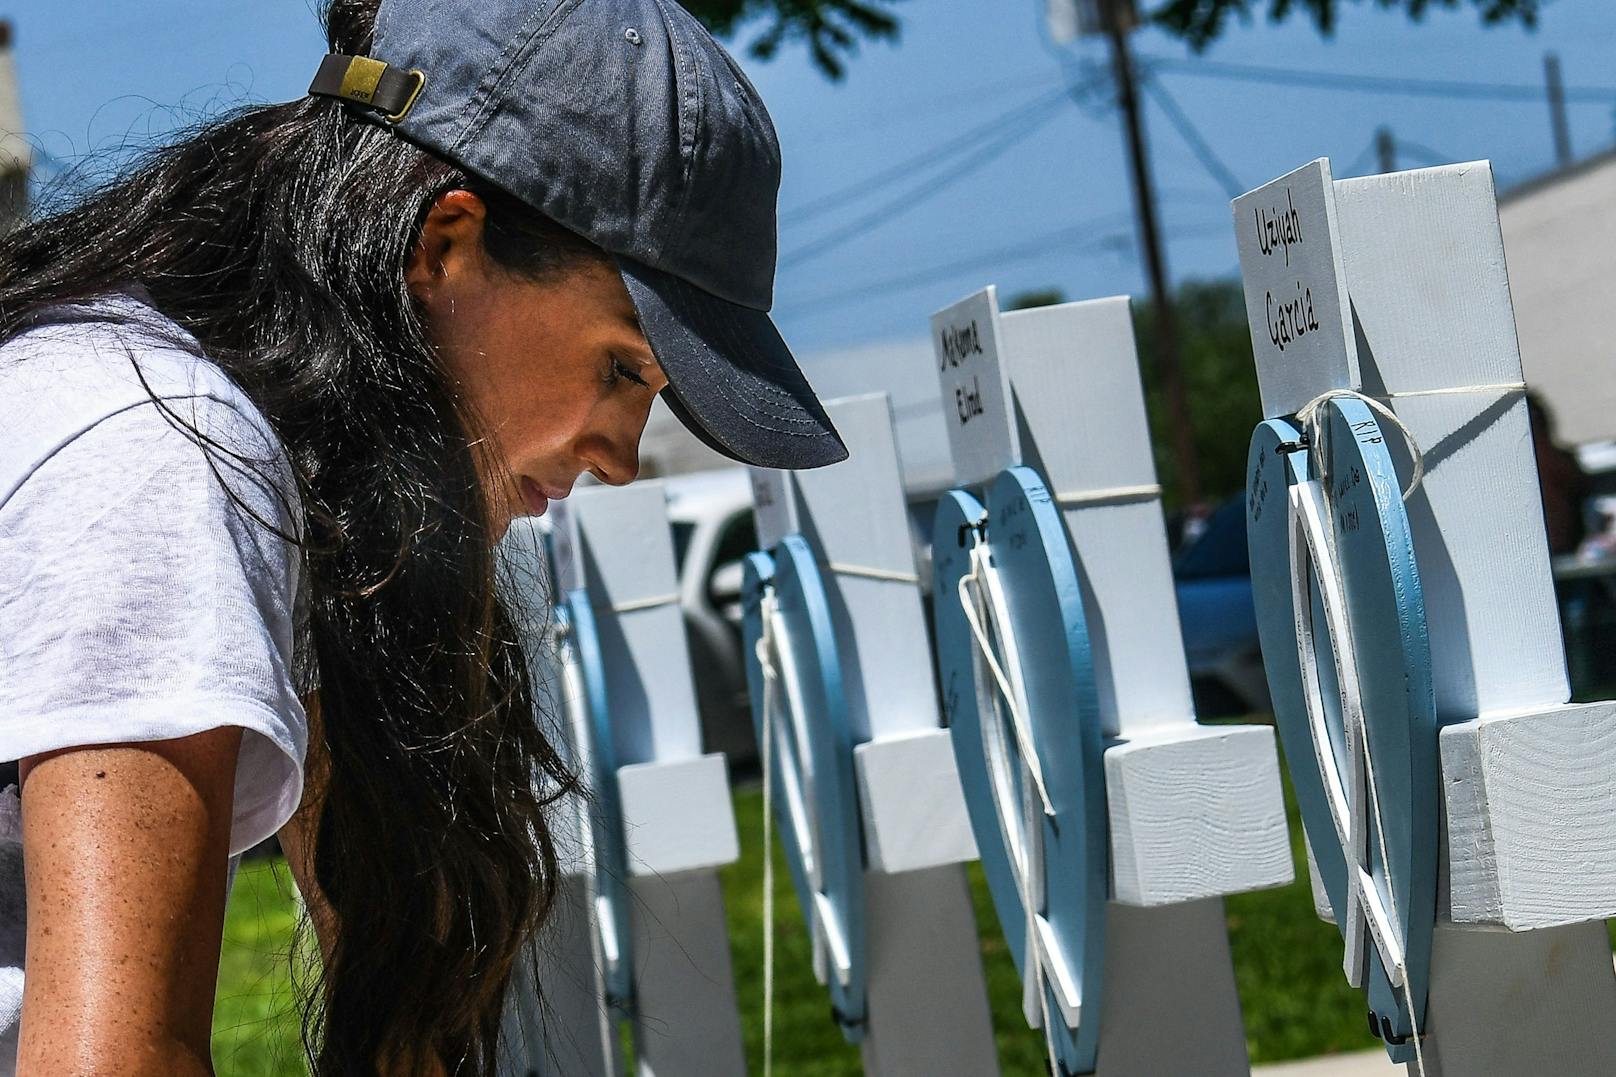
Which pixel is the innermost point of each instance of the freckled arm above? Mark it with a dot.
(125, 850)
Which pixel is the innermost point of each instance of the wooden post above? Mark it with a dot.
(1395, 287)
(557, 1021)
(678, 825)
(927, 1002)
(1193, 812)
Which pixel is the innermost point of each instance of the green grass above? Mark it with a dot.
(1295, 1000)
(1287, 966)
(255, 1023)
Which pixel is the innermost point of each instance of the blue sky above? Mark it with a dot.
(1040, 201)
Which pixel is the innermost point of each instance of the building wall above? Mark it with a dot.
(903, 369)
(1560, 241)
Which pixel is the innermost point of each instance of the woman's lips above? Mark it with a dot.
(534, 496)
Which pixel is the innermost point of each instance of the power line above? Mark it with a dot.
(907, 111)
(1192, 136)
(920, 193)
(836, 199)
(1103, 233)
(1497, 91)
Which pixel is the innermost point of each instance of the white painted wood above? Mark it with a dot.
(687, 1020)
(1080, 420)
(771, 505)
(1510, 781)
(852, 513)
(1433, 311)
(1296, 299)
(677, 815)
(1173, 838)
(927, 999)
(623, 554)
(1539, 1002)
(1170, 1005)
(556, 1024)
(1079, 416)
(1527, 778)
(1193, 812)
(913, 808)
(928, 1002)
(974, 390)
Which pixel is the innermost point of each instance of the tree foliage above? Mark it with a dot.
(1214, 343)
(1199, 22)
(832, 30)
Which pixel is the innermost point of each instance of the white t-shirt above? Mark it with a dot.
(138, 599)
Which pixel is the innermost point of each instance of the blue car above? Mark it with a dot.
(1212, 577)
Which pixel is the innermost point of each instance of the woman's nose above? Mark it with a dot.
(616, 462)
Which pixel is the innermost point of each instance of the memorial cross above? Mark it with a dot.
(1434, 668)
(676, 825)
(557, 1022)
(841, 533)
(1046, 406)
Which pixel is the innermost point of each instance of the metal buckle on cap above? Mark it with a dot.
(420, 84)
(375, 84)
(360, 80)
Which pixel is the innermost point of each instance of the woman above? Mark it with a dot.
(265, 403)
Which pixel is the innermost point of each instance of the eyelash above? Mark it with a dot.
(620, 371)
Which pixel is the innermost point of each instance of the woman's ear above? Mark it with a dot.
(451, 244)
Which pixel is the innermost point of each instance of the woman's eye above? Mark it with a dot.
(622, 371)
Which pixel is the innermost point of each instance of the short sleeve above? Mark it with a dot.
(148, 591)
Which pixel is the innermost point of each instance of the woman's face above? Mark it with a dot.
(557, 372)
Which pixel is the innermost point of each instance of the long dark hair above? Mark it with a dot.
(278, 236)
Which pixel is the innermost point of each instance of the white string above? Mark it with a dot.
(1308, 416)
(771, 679)
(872, 573)
(1501, 388)
(643, 603)
(1018, 720)
(1111, 495)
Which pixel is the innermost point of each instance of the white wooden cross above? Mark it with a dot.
(557, 1021)
(1399, 290)
(678, 822)
(928, 1011)
(1195, 811)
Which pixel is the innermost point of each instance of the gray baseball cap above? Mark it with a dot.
(624, 121)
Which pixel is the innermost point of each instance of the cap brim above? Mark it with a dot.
(731, 379)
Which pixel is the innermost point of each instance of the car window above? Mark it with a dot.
(682, 532)
(1220, 551)
(738, 539)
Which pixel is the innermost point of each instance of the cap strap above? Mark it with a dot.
(361, 80)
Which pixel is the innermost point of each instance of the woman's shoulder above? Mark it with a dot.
(74, 367)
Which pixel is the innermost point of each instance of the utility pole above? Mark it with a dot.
(1386, 149)
(1557, 108)
(16, 154)
(1119, 18)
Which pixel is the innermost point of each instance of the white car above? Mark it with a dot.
(713, 530)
